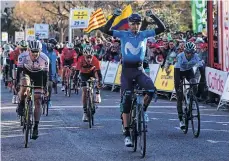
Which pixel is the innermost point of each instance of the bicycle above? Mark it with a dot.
(45, 103)
(190, 106)
(27, 118)
(68, 81)
(138, 127)
(76, 84)
(91, 106)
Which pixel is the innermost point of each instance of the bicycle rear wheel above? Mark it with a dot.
(142, 131)
(43, 106)
(47, 108)
(55, 87)
(195, 113)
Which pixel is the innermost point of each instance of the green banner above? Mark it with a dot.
(199, 15)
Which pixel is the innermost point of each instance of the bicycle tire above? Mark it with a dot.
(47, 108)
(43, 106)
(142, 131)
(27, 121)
(185, 117)
(89, 111)
(66, 89)
(133, 129)
(69, 86)
(196, 133)
(55, 88)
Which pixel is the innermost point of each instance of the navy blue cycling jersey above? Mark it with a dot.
(185, 64)
(133, 47)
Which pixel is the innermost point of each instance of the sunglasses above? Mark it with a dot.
(34, 52)
(135, 23)
(22, 50)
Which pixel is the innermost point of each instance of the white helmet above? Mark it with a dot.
(88, 50)
(35, 45)
(70, 45)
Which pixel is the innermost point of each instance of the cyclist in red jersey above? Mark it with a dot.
(68, 58)
(88, 66)
(21, 48)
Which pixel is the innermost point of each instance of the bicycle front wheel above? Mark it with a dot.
(142, 131)
(89, 110)
(195, 117)
(185, 117)
(27, 121)
(69, 86)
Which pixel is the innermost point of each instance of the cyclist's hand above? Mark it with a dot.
(117, 12)
(99, 84)
(149, 13)
(73, 68)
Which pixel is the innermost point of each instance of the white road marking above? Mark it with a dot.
(214, 141)
(213, 130)
(100, 106)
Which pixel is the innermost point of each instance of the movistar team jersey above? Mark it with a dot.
(133, 46)
(184, 64)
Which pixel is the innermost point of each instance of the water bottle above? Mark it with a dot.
(97, 97)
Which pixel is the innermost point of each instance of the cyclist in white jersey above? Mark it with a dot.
(184, 69)
(32, 65)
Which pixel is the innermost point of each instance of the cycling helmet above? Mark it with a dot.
(35, 45)
(6, 47)
(23, 44)
(190, 47)
(70, 45)
(52, 41)
(88, 50)
(135, 18)
(50, 46)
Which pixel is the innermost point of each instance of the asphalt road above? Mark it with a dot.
(64, 137)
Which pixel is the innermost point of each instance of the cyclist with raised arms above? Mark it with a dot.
(133, 48)
(32, 65)
(184, 69)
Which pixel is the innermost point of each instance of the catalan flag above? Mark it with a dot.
(97, 20)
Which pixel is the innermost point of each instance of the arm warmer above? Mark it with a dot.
(45, 78)
(106, 29)
(99, 75)
(19, 70)
(159, 23)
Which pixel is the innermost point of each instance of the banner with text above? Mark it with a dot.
(153, 71)
(19, 36)
(41, 31)
(165, 79)
(30, 34)
(103, 66)
(111, 73)
(216, 80)
(79, 18)
(118, 75)
(225, 31)
(5, 36)
(199, 15)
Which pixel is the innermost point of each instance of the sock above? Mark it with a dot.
(127, 131)
(36, 125)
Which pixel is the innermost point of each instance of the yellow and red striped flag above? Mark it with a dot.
(97, 20)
